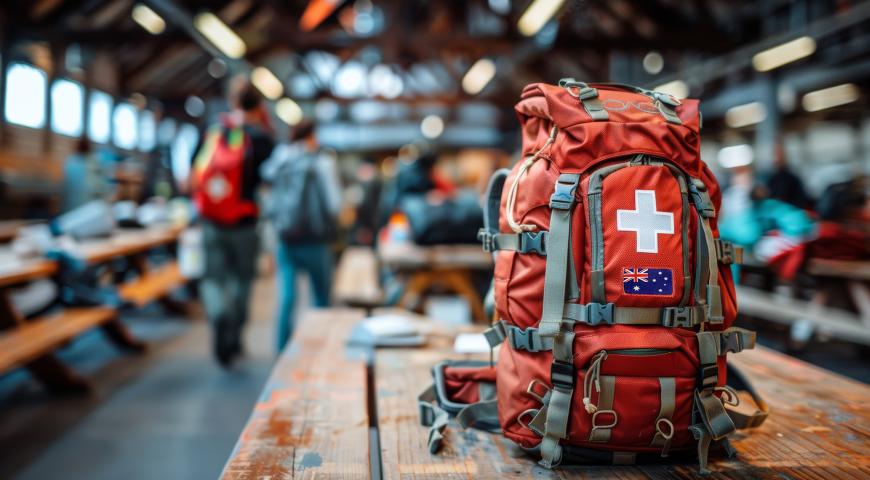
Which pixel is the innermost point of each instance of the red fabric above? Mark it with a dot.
(582, 146)
(462, 383)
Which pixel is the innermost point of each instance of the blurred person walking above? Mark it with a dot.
(784, 185)
(303, 208)
(226, 176)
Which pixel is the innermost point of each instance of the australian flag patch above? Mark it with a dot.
(647, 281)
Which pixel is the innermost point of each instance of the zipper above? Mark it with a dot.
(641, 352)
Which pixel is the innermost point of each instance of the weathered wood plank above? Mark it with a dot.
(819, 429)
(312, 418)
(152, 285)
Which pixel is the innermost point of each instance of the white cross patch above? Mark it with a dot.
(645, 221)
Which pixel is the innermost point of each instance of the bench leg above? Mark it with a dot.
(57, 377)
(121, 336)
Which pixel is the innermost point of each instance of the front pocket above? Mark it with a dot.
(638, 399)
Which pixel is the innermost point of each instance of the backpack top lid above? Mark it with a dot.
(608, 120)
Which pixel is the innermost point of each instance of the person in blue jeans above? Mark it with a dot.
(303, 207)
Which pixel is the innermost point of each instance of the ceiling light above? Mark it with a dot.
(653, 63)
(194, 106)
(537, 15)
(735, 156)
(220, 35)
(148, 19)
(217, 68)
(288, 111)
(782, 54)
(830, 97)
(744, 115)
(677, 89)
(267, 83)
(478, 76)
(432, 126)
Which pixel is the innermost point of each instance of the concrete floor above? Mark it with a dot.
(169, 414)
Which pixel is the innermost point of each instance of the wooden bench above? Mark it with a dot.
(154, 284)
(30, 343)
(309, 421)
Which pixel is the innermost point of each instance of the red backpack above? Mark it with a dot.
(218, 175)
(611, 287)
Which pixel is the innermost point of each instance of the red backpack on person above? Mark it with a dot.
(218, 175)
(611, 286)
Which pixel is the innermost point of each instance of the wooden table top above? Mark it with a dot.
(125, 242)
(819, 426)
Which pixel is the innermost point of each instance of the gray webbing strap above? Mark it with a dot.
(601, 431)
(667, 106)
(573, 285)
(713, 293)
(587, 96)
(524, 242)
(596, 230)
(596, 314)
(742, 420)
(480, 413)
(434, 417)
(558, 248)
(562, 378)
(667, 395)
(493, 200)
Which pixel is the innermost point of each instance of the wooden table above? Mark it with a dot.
(312, 420)
(818, 314)
(448, 266)
(30, 342)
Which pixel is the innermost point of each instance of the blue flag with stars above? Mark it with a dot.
(647, 281)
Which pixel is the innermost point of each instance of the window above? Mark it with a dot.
(147, 131)
(100, 106)
(25, 95)
(183, 149)
(166, 132)
(67, 100)
(124, 126)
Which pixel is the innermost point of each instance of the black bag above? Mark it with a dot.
(455, 220)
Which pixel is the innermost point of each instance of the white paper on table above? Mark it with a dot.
(471, 343)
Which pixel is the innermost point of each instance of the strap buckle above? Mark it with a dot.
(562, 375)
(678, 317)
(523, 339)
(563, 192)
(728, 253)
(532, 242)
(598, 313)
(730, 342)
(427, 414)
(708, 376)
(486, 239)
(701, 198)
(668, 100)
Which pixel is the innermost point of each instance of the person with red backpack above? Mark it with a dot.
(225, 179)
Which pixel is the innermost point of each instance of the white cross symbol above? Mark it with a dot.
(645, 221)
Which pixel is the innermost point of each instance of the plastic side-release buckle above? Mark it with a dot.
(427, 414)
(533, 242)
(728, 253)
(486, 240)
(523, 339)
(678, 317)
(562, 375)
(708, 376)
(732, 342)
(598, 313)
(563, 192)
(701, 198)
